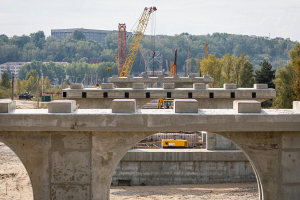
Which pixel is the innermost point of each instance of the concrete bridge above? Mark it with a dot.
(180, 82)
(208, 98)
(72, 154)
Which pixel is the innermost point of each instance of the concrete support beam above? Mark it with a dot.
(169, 85)
(186, 106)
(107, 86)
(137, 85)
(260, 86)
(247, 106)
(296, 106)
(123, 106)
(76, 86)
(62, 106)
(7, 106)
(228, 86)
(199, 86)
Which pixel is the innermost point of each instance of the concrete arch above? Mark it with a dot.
(22, 146)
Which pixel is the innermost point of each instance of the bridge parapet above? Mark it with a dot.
(185, 82)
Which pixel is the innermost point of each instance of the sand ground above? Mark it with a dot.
(14, 176)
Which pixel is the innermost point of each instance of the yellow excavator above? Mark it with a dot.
(166, 103)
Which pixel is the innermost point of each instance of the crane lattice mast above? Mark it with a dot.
(121, 47)
(137, 39)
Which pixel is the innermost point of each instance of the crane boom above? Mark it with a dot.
(137, 39)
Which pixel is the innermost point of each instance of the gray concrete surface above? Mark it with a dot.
(185, 106)
(7, 106)
(123, 106)
(62, 106)
(249, 106)
(222, 99)
(184, 166)
(74, 155)
(180, 82)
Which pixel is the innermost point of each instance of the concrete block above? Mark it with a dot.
(205, 76)
(62, 106)
(160, 76)
(130, 76)
(169, 85)
(175, 76)
(228, 86)
(114, 76)
(7, 106)
(186, 106)
(123, 106)
(260, 86)
(199, 86)
(204, 136)
(107, 86)
(145, 76)
(138, 85)
(296, 106)
(247, 106)
(191, 76)
(76, 86)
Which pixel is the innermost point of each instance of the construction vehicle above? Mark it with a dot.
(137, 39)
(174, 144)
(103, 75)
(25, 95)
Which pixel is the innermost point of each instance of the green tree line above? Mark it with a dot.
(76, 49)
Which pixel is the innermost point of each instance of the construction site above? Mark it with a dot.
(156, 136)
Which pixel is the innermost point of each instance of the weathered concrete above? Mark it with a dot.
(7, 106)
(249, 106)
(217, 142)
(210, 98)
(180, 82)
(74, 155)
(76, 86)
(165, 167)
(123, 106)
(62, 106)
(186, 106)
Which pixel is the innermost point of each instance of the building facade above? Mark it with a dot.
(14, 67)
(90, 34)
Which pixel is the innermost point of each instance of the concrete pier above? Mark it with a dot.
(73, 155)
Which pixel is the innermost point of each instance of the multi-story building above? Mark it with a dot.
(90, 34)
(14, 67)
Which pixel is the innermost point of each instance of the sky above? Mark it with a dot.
(279, 18)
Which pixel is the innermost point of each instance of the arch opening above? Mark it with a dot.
(13, 175)
(152, 170)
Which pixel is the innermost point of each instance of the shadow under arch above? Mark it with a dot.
(26, 192)
(147, 134)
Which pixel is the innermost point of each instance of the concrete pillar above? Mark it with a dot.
(275, 158)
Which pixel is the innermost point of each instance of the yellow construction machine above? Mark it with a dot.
(137, 39)
(174, 144)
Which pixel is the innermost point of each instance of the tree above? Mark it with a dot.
(295, 60)
(247, 76)
(18, 86)
(265, 75)
(284, 90)
(38, 39)
(78, 35)
(5, 80)
(213, 67)
(228, 68)
(238, 66)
